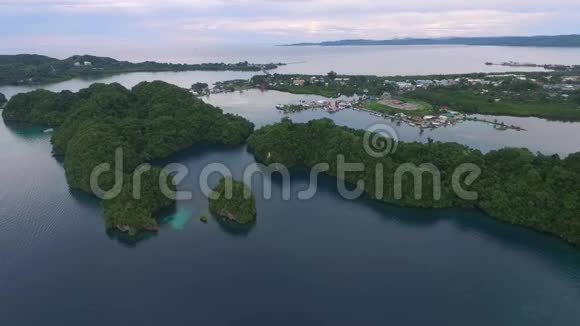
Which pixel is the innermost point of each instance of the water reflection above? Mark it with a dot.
(234, 229)
(165, 219)
(127, 240)
(327, 252)
(182, 79)
(85, 199)
(372, 261)
(466, 219)
(541, 135)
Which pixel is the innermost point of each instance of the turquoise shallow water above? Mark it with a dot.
(325, 261)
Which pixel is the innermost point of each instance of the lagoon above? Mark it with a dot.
(547, 137)
(325, 261)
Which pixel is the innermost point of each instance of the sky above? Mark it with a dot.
(28, 25)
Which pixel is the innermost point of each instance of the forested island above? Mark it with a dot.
(155, 119)
(32, 69)
(537, 191)
(148, 122)
(538, 41)
(238, 206)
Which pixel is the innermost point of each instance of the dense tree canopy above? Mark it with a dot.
(148, 122)
(36, 69)
(128, 213)
(576, 97)
(200, 88)
(238, 207)
(516, 186)
(529, 101)
(332, 75)
(39, 107)
(329, 85)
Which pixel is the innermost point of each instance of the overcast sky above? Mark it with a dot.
(26, 24)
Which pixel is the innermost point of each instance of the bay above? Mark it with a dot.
(324, 261)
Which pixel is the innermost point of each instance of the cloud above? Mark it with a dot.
(390, 6)
(380, 25)
(303, 6)
(282, 21)
(106, 5)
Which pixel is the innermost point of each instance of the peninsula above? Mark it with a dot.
(551, 95)
(33, 69)
(148, 122)
(154, 120)
(572, 40)
(515, 186)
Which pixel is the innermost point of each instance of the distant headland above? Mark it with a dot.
(572, 40)
(33, 69)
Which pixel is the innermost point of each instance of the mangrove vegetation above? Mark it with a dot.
(31, 69)
(516, 186)
(109, 124)
(233, 200)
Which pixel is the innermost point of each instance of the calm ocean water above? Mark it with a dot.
(326, 261)
(372, 60)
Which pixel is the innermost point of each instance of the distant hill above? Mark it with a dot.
(543, 41)
(28, 69)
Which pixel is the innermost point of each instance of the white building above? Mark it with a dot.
(404, 86)
(424, 83)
